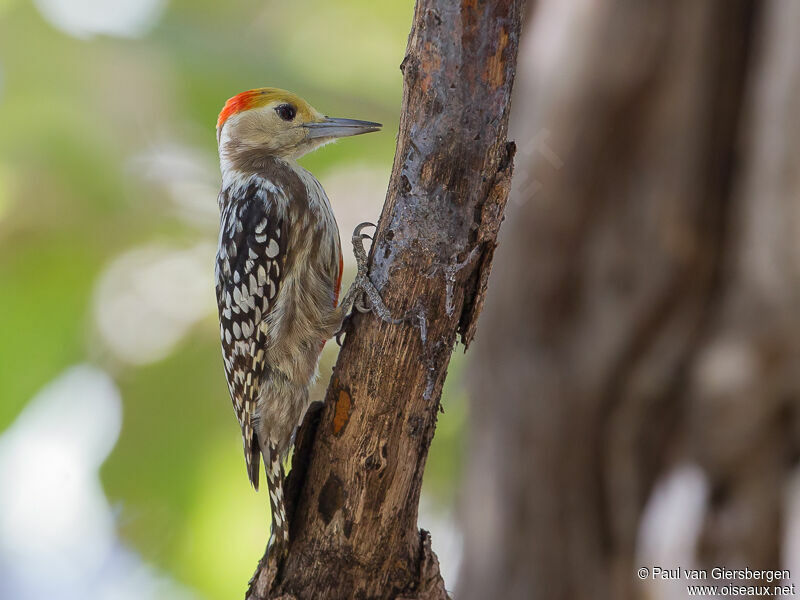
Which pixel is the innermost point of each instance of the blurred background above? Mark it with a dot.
(634, 386)
(635, 380)
(120, 458)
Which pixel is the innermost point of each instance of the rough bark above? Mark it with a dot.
(612, 287)
(354, 487)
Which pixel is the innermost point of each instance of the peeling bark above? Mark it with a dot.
(354, 488)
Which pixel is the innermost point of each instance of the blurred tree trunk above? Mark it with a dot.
(644, 306)
(353, 491)
(746, 384)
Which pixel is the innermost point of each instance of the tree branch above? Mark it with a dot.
(357, 470)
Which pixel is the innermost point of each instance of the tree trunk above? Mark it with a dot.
(611, 291)
(745, 389)
(354, 487)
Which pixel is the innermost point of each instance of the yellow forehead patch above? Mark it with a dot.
(262, 97)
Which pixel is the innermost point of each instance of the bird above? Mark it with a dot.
(278, 273)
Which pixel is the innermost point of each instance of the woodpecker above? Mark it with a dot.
(278, 272)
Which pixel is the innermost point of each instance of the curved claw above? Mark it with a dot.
(362, 304)
(340, 335)
(358, 236)
(360, 226)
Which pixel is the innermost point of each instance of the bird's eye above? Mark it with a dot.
(286, 111)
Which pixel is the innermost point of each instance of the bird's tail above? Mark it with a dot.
(279, 540)
(252, 457)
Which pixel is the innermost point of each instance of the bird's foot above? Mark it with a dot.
(363, 296)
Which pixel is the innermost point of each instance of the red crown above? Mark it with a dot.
(238, 103)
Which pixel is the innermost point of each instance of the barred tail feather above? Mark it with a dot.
(279, 540)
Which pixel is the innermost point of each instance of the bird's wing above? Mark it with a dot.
(250, 261)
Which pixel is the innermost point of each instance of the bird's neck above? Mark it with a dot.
(286, 176)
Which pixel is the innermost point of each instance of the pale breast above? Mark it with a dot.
(299, 321)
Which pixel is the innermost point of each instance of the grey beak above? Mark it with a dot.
(335, 128)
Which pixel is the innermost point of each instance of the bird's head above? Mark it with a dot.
(269, 122)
